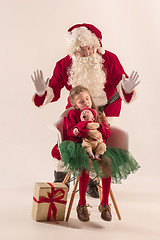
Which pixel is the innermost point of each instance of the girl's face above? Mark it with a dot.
(82, 100)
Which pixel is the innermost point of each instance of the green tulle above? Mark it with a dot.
(74, 157)
(120, 163)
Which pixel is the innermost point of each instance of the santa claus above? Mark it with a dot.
(87, 64)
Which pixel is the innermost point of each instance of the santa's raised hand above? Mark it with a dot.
(129, 84)
(39, 83)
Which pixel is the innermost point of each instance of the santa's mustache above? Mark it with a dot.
(92, 59)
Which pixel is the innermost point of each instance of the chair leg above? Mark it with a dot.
(115, 204)
(100, 196)
(67, 177)
(72, 198)
(99, 189)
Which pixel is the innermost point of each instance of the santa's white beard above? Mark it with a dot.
(88, 72)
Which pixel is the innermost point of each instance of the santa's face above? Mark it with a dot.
(82, 100)
(84, 51)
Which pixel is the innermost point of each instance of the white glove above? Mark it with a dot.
(39, 83)
(130, 83)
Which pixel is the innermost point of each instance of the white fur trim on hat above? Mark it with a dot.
(81, 37)
(101, 50)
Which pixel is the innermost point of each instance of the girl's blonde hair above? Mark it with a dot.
(77, 90)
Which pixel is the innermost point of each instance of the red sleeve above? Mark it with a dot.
(116, 69)
(127, 96)
(81, 125)
(72, 121)
(39, 100)
(57, 82)
(116, 72)
(83, 132)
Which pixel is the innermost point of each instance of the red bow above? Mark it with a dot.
(51, 199)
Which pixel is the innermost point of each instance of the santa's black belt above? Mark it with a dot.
(111, 100)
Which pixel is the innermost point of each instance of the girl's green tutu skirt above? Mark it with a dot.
(120, 163)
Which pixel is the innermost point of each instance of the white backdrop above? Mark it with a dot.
(33, 36)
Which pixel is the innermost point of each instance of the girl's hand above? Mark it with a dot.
(75, 131)
(95, 134)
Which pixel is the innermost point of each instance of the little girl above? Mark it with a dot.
(77, 160)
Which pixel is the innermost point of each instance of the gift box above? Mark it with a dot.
(49, 201)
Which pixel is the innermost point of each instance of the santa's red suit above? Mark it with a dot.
(113, 77)
(113, 69)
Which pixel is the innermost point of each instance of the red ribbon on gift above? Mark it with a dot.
(51, 199)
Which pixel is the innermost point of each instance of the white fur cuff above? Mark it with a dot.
(120, 91)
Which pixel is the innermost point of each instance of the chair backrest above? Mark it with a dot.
(59, 123)
(118, 137)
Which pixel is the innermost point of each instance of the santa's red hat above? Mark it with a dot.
(92, 110)
(86, 31)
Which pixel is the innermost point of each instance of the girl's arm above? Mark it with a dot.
(73, 121)
(104, 129)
